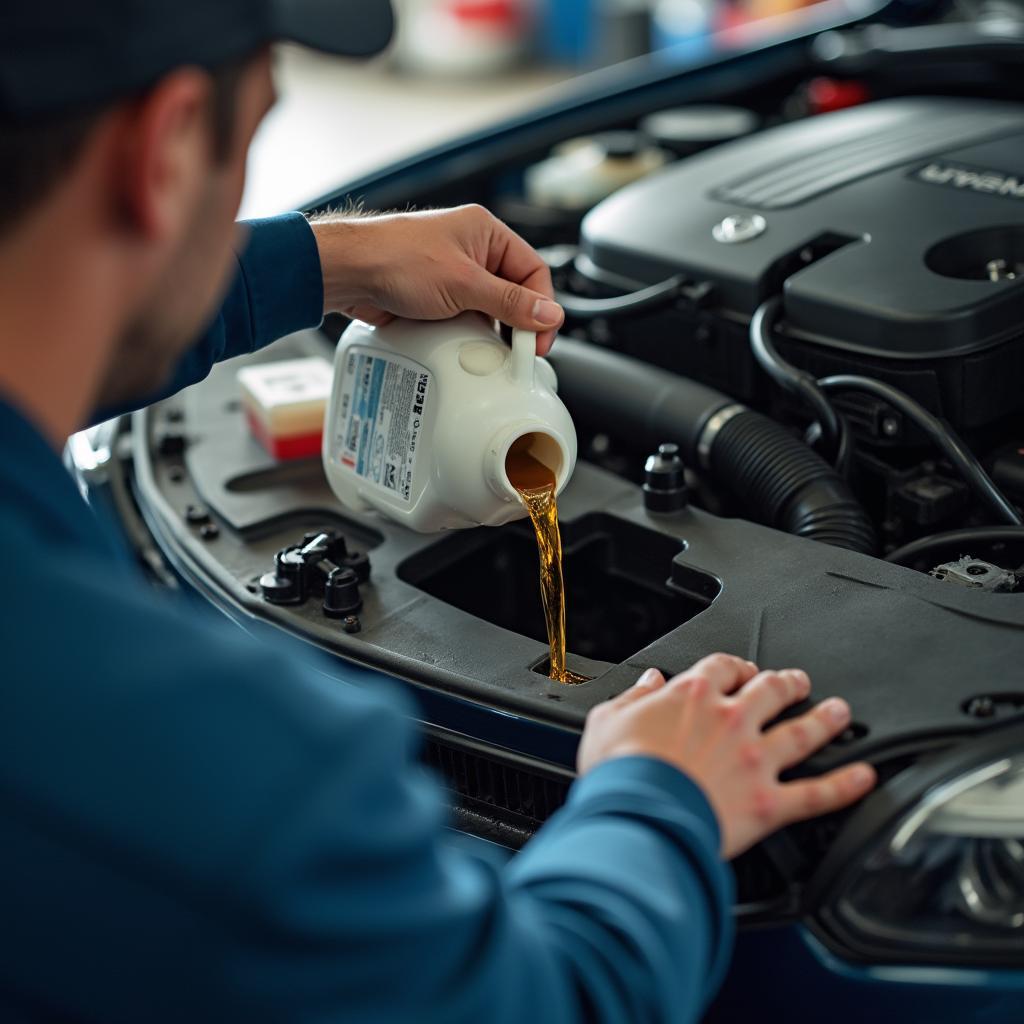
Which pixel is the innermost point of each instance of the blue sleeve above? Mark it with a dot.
(220, 832)
(277, 290)
(617, 911)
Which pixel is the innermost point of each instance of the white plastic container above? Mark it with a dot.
(581, 172)
(422, 415)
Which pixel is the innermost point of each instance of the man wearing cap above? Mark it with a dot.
(198, 827)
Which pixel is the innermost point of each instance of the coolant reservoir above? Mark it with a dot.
(422, 415)
(581, 172)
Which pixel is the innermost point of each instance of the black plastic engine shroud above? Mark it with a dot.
(908, 652)
(894, 230)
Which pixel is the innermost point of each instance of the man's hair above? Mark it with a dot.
(36, 154)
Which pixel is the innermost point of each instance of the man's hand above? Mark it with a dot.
(708, 723)
(435, 265)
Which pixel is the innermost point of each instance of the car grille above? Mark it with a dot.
(489, 788)
(507, 802)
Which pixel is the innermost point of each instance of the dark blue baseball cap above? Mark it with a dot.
(57, 56)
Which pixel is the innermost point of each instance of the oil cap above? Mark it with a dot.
(287, 583)
(665, 487)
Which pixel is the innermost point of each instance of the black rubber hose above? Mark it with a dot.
(608, 391)
(964, 539)
(796, 382)
(654, 297)
(782, 482)
(940, 434)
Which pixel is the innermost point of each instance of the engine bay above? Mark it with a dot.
(731, 301)
(880, 246)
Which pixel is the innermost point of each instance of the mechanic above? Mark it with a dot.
(197, 826)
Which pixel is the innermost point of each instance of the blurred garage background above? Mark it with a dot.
(456, 65)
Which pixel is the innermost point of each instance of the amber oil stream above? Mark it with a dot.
(535, 484)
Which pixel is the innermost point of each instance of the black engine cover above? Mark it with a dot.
(895, 232)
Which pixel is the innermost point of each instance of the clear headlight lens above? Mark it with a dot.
(948, 877)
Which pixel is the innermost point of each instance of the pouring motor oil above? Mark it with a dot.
(440, 425)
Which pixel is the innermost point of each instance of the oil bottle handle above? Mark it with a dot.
(524, 357)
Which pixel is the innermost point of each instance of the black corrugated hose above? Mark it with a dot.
(789, 485)
(781, 481)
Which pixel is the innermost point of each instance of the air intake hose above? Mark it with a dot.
(782, 482)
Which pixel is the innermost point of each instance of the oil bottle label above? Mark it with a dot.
(380, 417)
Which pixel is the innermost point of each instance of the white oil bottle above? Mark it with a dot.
(422, 415)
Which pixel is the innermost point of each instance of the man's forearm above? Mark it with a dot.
(351, 255)
(618, 910)
(629, 874)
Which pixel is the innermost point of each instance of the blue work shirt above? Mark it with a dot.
(199, 826)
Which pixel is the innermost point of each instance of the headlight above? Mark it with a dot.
(942, 877)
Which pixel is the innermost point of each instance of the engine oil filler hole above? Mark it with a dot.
(993, 254)
(625, 587)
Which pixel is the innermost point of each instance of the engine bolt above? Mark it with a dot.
(352, 624)
(665, 487)
(197, 515)
(981, 707)
(209, 531)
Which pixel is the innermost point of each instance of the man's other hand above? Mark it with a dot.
(708, 722)
(435, 265)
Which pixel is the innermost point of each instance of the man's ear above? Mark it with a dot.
(166, 154)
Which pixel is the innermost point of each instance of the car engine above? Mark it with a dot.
(854, 275)
(795, 359)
